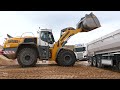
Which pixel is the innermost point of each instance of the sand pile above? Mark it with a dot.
(5, 61)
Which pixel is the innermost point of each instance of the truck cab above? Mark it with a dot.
(80, 52)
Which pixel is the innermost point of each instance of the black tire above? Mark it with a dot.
(57, 62)
(94, 62)
(27, 57)
(57, 59)
(90, 62)
(99, 64)
(118, 66)
(66, 58)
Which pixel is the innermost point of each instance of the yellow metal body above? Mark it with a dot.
(14, 42)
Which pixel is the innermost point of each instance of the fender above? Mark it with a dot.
(26, 45)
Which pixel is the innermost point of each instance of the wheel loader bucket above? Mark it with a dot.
(89, 22)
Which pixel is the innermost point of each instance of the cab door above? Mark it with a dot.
(46, 41)
(43, 46)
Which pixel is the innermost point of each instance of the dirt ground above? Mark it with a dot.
(50, 70)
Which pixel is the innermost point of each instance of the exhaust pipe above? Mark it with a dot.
(89, 22)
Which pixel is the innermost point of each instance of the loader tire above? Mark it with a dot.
(66, 58)
(57, 62)
(27, 57)
(57, 58)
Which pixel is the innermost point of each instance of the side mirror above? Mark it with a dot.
(38, 32)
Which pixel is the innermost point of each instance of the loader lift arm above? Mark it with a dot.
(67, 34)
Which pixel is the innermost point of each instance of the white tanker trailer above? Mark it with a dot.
(105, 50)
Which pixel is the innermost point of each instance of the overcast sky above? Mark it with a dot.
(16, 23)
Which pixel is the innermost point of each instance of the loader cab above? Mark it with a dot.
(45, 42)
(46, 38)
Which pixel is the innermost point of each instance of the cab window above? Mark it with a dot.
(47, 37)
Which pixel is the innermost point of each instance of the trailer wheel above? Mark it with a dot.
(90, 62)
(99, 64)
(118, 66)
(66, 58)
(94, 62)
(27, 57)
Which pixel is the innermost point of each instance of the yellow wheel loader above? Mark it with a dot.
(27, 50)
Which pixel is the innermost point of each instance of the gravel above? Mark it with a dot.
(50, 70)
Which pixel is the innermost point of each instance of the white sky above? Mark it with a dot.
(16, 23)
